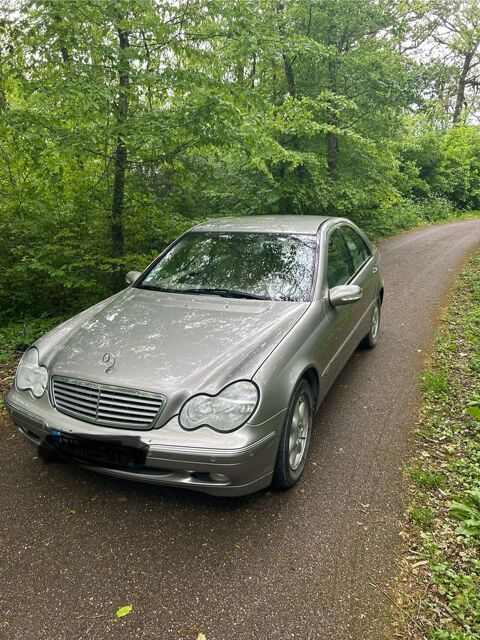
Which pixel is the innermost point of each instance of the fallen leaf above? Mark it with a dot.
(201, 636)
(124, 611)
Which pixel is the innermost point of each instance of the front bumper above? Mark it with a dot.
(174, 457)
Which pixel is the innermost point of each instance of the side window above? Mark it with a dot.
(338, 265)
(357, 247)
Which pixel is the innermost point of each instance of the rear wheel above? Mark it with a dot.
(295, 440)
(371, 339)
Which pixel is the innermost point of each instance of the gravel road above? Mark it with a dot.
(312, 563)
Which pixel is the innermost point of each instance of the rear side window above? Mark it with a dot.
(356, 246)
(338, 266)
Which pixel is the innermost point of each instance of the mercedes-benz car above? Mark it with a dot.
(207, 370)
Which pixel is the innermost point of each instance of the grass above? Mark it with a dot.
(425, 478)
(440, 592)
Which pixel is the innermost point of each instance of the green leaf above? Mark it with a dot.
(474, 411)
(124, 611)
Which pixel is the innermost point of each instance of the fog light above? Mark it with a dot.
(219, 477)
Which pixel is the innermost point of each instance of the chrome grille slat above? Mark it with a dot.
(114, 410)
(109, 417)
(66, 399)
(105, 404)
(130, 402)
(77, 392)
(76, 406)
(76, 412)
(139, 401)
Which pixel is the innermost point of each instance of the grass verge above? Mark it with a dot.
(440, 589)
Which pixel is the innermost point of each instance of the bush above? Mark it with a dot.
(434, 209)
(403, 215)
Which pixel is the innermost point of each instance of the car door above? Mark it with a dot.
(363, 274)
(338, 321)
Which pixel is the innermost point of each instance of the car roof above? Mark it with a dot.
(267, 224)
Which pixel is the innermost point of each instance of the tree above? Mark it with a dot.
(456, 31)
(123, 122)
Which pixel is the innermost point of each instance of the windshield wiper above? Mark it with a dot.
(224, 293)
(203, 291)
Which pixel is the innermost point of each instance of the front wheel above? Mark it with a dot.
(295, 440)
(371, 339)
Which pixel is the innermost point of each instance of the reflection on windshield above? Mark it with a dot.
(250, 265)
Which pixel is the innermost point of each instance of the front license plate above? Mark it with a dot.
(97, 451)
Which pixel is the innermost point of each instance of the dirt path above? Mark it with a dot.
(312, 563)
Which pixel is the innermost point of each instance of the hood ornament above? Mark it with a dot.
(109, 360)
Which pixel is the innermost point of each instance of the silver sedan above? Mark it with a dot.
(207, 370)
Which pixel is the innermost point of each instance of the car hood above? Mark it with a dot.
(175, 344)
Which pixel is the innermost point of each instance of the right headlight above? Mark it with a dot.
(226, 411)
(30, 374)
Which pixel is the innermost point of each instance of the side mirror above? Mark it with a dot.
(345, 294)
(132, 276)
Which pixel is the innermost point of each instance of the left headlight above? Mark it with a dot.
(31, 375)
(226, 411)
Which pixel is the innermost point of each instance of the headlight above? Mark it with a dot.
(30, 375)
(226, 411)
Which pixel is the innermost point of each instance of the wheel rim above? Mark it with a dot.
(375, 322)
(299, 430)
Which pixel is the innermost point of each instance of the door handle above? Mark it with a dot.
(375, 269)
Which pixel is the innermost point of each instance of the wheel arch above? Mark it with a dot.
(311, 376)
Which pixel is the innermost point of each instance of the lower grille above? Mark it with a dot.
(105, 404)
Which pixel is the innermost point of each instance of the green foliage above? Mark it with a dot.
(426, 478)
(468, 512)
(443, 165)
(17, 336)
(434, 383)
(422, 515)
(220, 108)
(474, 410)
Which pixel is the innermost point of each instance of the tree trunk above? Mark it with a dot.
(63, 49)
(118, 195)
(332, 137)
(462, 83)
(332, 152)
(289, 77)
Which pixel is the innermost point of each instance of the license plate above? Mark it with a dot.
(97, 451)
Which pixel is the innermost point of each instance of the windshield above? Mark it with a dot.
(244, 265)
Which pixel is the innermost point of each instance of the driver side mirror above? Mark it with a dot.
(132, 276)
(344, 294)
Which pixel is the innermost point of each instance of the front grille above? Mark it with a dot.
(105, 404)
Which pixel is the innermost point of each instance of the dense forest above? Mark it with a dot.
(124, 122)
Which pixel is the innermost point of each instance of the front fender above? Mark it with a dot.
(279, 374)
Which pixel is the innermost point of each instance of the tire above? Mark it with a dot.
(371, 339)
(291, 456)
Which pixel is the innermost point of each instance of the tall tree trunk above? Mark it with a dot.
(289, 76)
(63, 49)
(462, 83)
(118, 196)
(332, 137)
(290, 141)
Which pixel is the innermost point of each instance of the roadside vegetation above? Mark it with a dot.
(441, 575)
